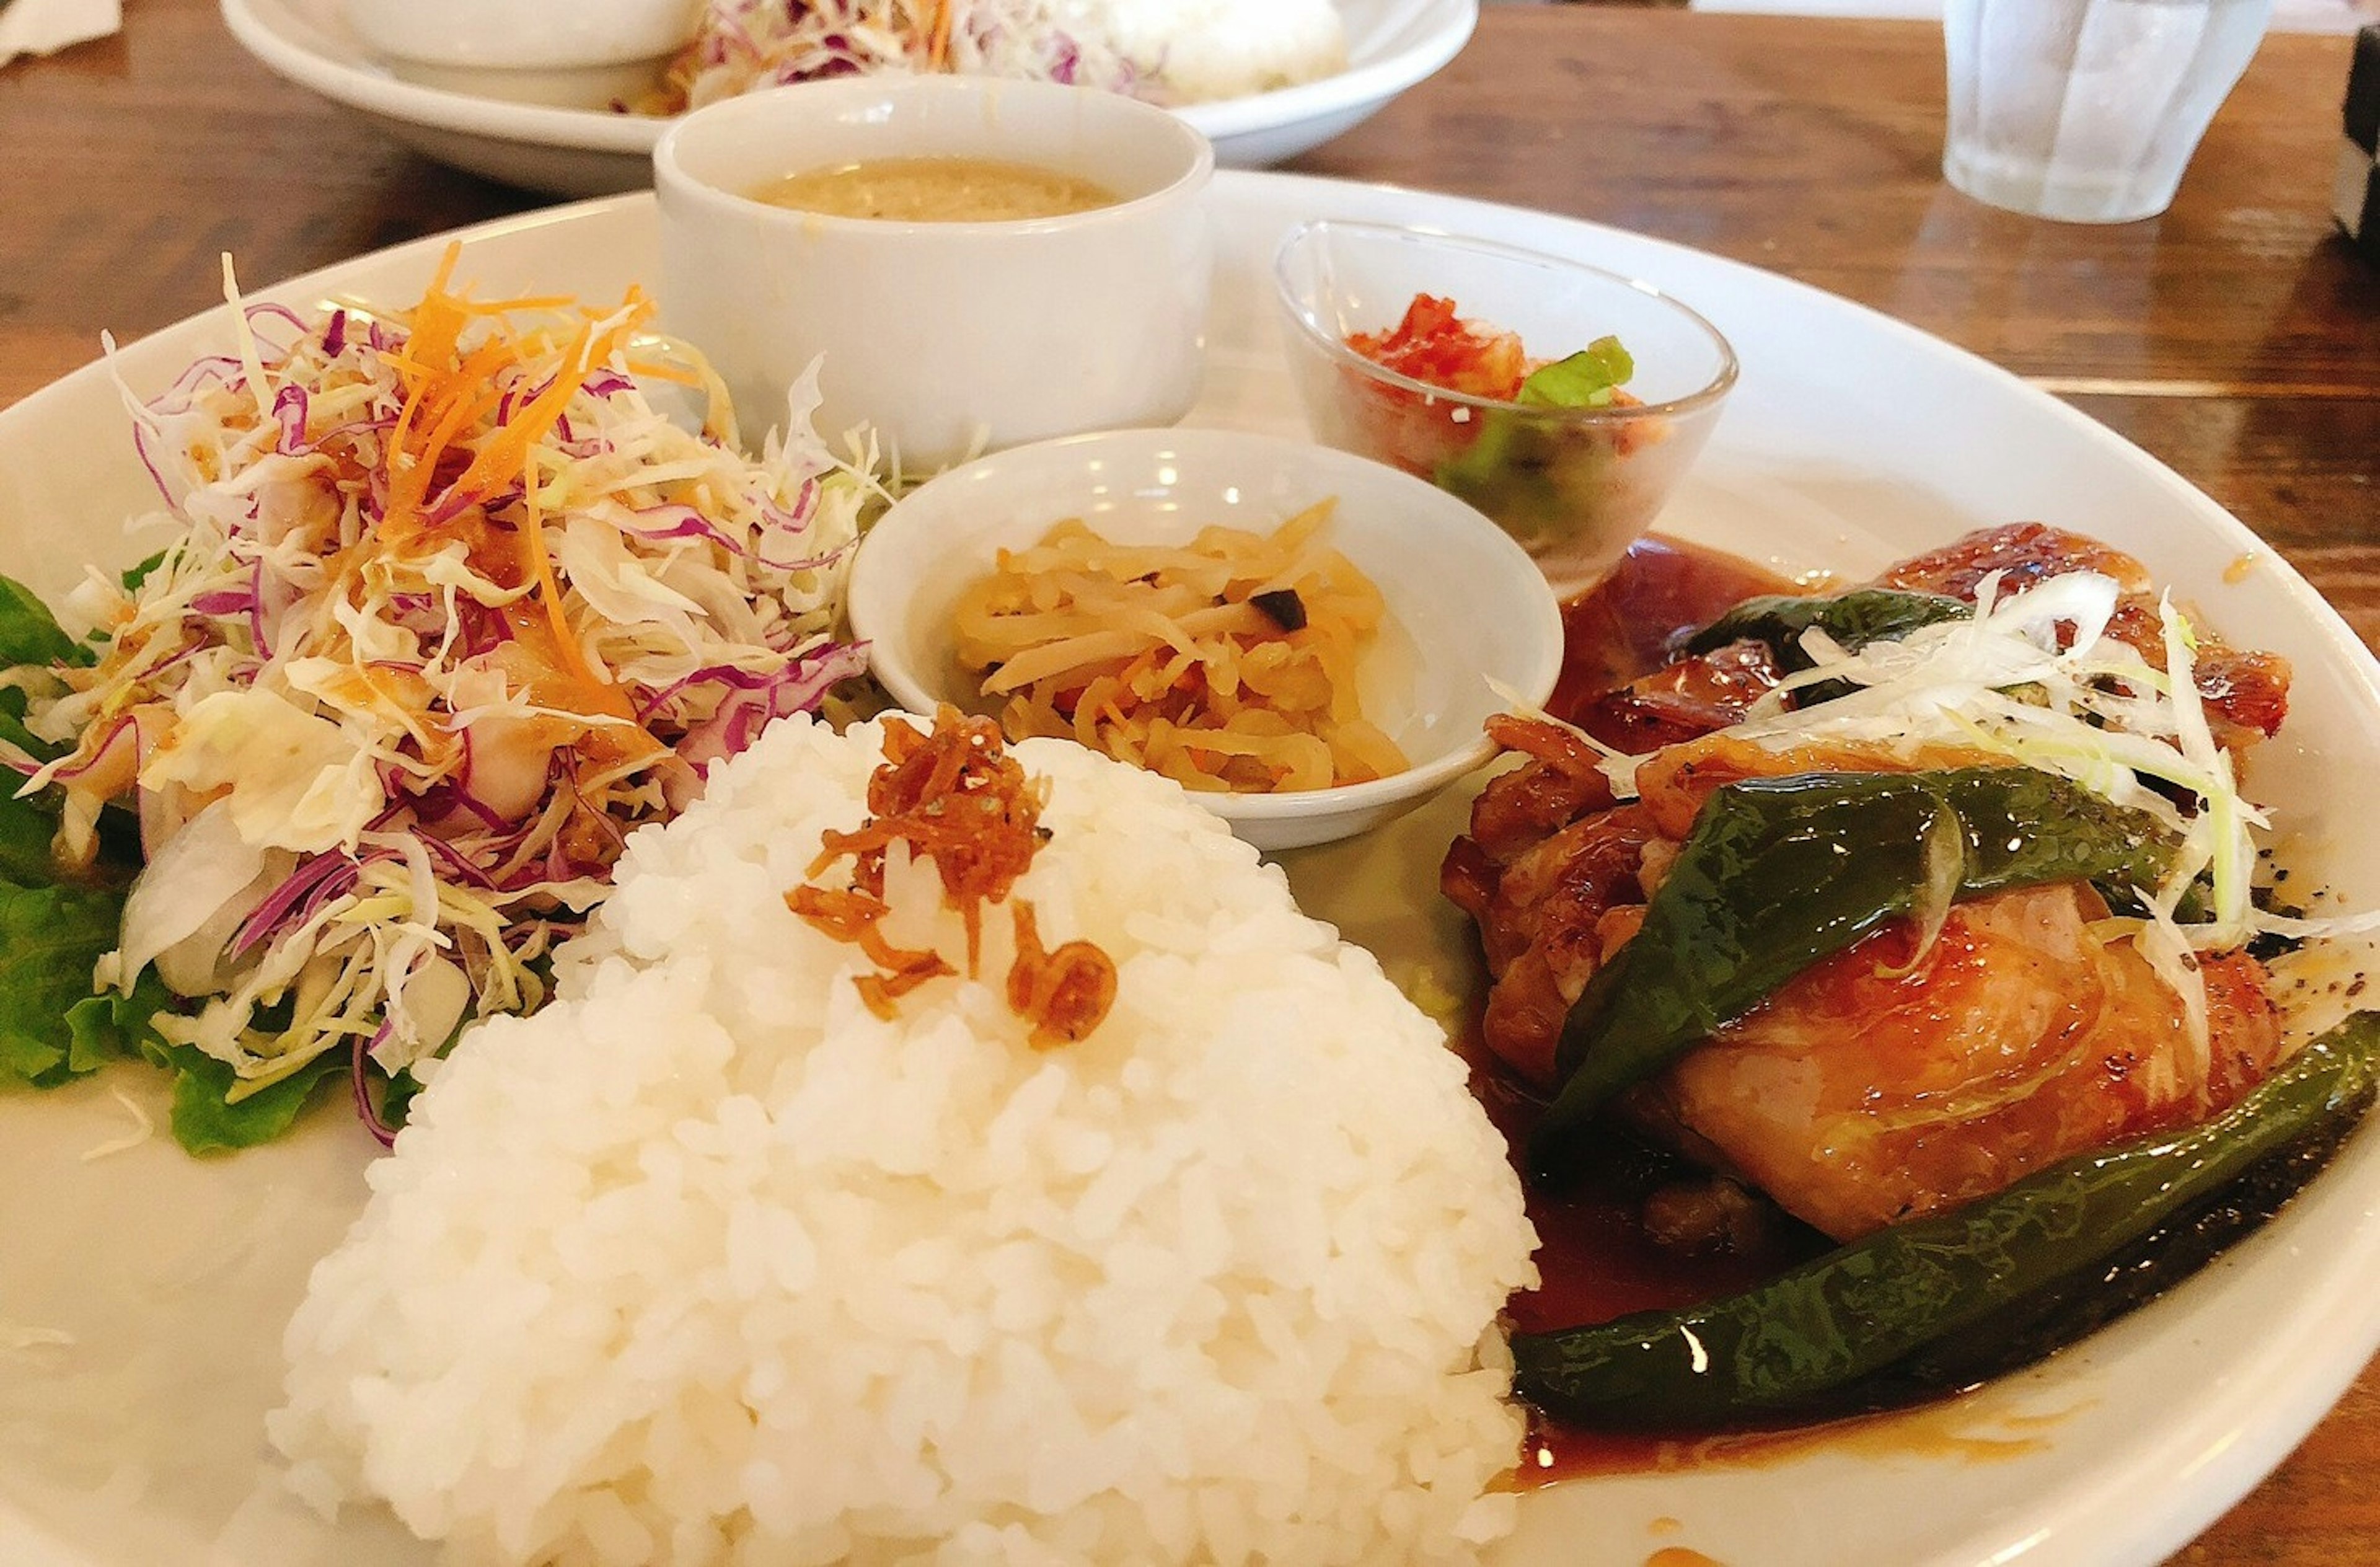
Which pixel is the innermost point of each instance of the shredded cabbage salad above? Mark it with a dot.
(453, 605)
(743, 44)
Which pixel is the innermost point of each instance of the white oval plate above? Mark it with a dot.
(554, 131)
(143, 1294)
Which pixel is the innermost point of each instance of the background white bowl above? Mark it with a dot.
(1465, 604)
(522, 34)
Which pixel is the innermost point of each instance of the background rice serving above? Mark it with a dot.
(706, 1263)
(1201, 50)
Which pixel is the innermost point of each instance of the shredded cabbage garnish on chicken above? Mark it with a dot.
(2036, 675)
(453, 605)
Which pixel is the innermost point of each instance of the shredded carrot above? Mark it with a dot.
(515, 305)
(430, 339)
(449, 392)
(938, 40)
(565, 642)
(676, 375)
(506, 454)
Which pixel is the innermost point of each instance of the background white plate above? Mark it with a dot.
(143, 1294)
(553, 131)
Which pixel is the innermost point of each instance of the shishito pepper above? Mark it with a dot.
(1791, 1345)
(1779, 873)
(2047, 1320)
(1854, 619)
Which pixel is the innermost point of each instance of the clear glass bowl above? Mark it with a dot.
(1574, 486)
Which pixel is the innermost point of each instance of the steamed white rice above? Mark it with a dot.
(1201, 50)
(705, 1263)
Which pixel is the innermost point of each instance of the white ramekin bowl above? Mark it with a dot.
(1472, 624)
(523, 34)
(946, 338)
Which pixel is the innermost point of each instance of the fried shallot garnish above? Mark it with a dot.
(958, 800)
(1065, 994)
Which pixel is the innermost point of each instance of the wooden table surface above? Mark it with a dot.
(2237, 337)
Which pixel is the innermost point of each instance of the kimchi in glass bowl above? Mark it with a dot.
(1563, 400)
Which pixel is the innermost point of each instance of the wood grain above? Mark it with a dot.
(1731, 133)
(2237, 337)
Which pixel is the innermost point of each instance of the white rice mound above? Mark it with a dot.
(1198, 51)
(704, 1263)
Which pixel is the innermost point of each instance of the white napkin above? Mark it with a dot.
(44, 27)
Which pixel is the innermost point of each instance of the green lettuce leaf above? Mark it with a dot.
(13, 730)
(1586, 380)
(207, 1121)
(27, 826)
(398, 1093)
(52, 930)
(50, 937)
(134, 576)
(30, 633)
(104, 1028)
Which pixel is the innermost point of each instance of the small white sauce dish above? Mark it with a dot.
(523, 34)
(1472, 624)
(945, 338)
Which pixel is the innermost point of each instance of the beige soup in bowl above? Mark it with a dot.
(945, 190)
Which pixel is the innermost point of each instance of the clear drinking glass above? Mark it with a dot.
(2087, 110)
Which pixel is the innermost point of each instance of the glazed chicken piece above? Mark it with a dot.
(1549, 854)
(1555, 871)
(1870, 1090)
(1683, 699)
(1891, 1079)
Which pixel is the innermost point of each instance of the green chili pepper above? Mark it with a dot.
(1780, 872)
(2039, 1324)
(1854, 619)
(1786, 1346)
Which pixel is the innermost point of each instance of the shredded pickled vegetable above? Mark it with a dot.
(1228, 663)
(450, 607)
